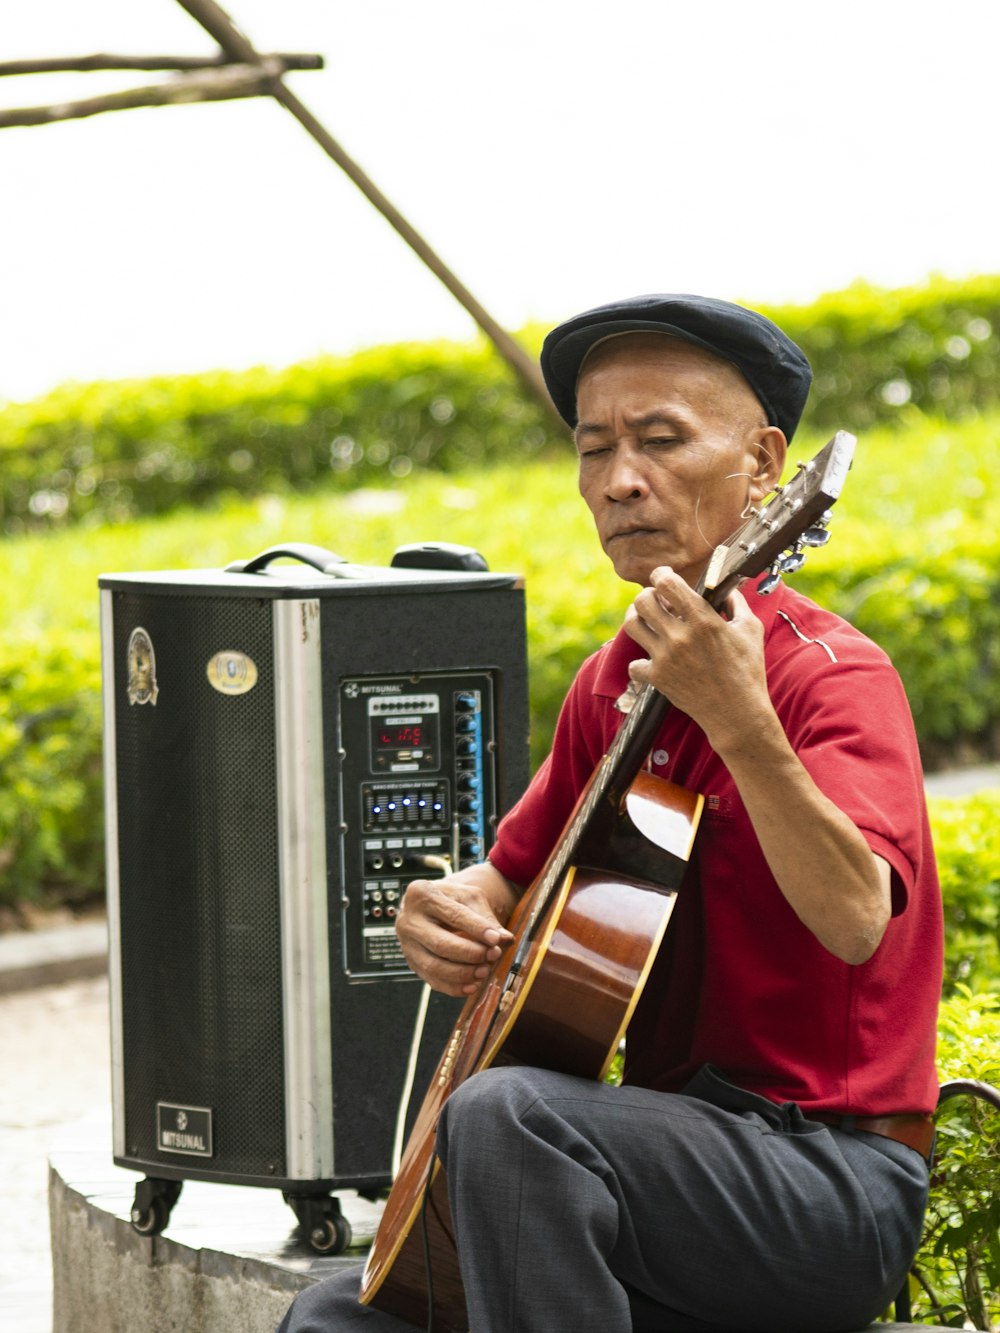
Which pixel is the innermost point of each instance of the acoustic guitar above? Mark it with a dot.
(587, 931)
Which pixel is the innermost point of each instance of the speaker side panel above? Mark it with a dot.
(198, 887)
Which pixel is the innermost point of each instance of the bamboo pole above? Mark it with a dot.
(85, 64)
(218, 24)
(218, 85)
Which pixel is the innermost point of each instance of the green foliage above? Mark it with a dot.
(879, 356)
(51, 844)
(49, 652)
(967, 843)
(110, 451)
(957, 1274)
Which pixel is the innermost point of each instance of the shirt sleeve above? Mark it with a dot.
(864, 757)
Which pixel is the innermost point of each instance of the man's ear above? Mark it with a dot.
(770, 449)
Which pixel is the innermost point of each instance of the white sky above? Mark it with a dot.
(557, 153)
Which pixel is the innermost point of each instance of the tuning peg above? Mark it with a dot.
(791, 564)
(815, 537)
(772, 579)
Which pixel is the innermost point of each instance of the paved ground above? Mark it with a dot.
(54, 1058)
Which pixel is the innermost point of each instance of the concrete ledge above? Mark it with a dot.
(45, 957)
(228, 1262)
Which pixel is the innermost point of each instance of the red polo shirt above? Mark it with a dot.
(740, 982)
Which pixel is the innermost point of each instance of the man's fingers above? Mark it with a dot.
(439, 905)
(449, 934)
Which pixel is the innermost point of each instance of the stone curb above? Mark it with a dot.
(31, 958)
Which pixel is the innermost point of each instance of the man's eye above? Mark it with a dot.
(661, 441)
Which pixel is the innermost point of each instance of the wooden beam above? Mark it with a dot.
(85, 64)
(237, 46)
(218, 85)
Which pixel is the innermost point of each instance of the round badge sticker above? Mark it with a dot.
(231, 672)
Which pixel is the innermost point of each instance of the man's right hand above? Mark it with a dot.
(452, 930)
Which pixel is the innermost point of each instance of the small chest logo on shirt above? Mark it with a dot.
(722, 807)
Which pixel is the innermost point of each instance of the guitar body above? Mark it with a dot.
(582, 960)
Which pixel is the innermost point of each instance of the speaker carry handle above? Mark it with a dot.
(317, 556)
(418, 555)
(438, 555)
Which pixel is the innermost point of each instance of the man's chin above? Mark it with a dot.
(635, 557)
(635, 571)
(640, 571)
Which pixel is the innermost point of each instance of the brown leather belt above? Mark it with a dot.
(913, 1129)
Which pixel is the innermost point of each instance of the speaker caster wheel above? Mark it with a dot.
(152, 1205)
(153, 1220)
(333, 1236)
(322, 1225)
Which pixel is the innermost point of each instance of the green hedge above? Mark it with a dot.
(967, 843)
(114, 450)
(111, 451)
(879, 354)
(51, 797)
(956, 1277)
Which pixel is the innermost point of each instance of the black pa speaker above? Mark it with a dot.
(286, 747)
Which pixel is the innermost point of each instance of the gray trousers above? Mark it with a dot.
(591, 1209)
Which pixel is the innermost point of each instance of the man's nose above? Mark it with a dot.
(626, 478)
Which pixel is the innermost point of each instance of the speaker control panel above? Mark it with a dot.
(418, 797)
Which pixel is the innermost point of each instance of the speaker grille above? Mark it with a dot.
(200, 902)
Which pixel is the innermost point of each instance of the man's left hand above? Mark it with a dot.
(710, 666)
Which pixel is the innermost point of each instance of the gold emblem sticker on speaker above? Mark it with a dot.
(141, 662)
(231, 672)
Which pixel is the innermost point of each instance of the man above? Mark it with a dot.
(764, 1165)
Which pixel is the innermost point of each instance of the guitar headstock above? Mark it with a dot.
(795, 517)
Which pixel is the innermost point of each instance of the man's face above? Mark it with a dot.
(673, 445)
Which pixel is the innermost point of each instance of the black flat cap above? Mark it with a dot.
(774, 367)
